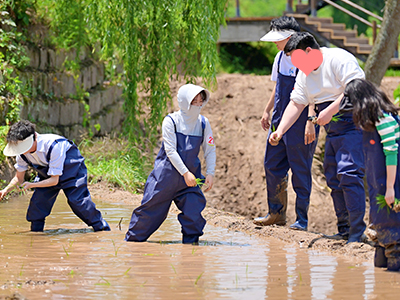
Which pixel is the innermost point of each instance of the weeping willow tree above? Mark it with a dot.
(150, 38)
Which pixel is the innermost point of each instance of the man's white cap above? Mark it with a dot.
(14, 149)
(277, 35)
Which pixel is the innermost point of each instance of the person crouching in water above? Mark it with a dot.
(175, 171)
(59, 166)
(379, 119)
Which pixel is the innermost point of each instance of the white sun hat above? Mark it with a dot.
(14, 149)
(277, 35)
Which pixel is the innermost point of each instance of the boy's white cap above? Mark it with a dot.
(14, 149)
(277, 35)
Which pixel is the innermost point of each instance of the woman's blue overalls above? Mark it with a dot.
(164, 185)
(387, 224)
(291, 152)
(344, 172)
(73, 182)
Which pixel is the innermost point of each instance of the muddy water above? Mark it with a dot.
(70, 261)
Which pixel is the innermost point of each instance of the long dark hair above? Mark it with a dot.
(369, 103)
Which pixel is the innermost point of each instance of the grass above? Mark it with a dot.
(116, 161)
(380, 200)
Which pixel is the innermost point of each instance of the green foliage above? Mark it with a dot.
(116, 161)
(150, 39)
(256, 8)
(247, 58)
(12, 59)
(396, 95)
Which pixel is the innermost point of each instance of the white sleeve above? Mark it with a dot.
(21, 165)
(209, 149)
(347, 71)
(170, 145)
(57, 158)
(299, 94)
(274, 73)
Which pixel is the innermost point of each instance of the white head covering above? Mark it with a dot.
(186, 94)
(277, 35)
(14, 149)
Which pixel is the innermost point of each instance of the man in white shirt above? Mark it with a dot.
(292, 152)
(344, 160)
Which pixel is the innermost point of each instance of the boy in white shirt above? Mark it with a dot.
(344, 158)
(59, 166)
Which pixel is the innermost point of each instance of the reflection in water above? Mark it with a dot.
(69, 260)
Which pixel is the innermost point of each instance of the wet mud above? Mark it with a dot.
(70, 261)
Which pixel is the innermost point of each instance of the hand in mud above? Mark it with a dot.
(274, 138)
(265, 121)
(3, 193)
(190, 180)
(209, 182)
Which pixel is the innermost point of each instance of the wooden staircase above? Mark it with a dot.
(326, 32)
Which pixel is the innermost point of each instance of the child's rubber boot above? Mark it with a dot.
(380, 260)
(190, 239)
(37, 226)
(393, 264)
(101, 226)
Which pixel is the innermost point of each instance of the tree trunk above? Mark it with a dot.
(385, 44)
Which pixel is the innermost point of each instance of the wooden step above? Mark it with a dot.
(333, 26)
(320, 20)
(358, 40)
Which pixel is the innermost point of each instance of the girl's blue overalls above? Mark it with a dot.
(291, 152)
(165, 185)
(344, 172)
(73, 182)
(387, 225)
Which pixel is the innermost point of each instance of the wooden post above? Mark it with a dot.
(237, 9)
(289, 6)
(313, 7)
(374, 31)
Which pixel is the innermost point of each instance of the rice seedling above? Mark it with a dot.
(273, 129)
(126, 272)
(200, 182)
(380, 200)
(194, 249)
(198, 278)
(115, 248)
(72, 273)
(65, 250)
(173, 268)
(20, 271)
(106, 282)
(336, 118)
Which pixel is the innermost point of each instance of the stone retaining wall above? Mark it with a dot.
(54, 104)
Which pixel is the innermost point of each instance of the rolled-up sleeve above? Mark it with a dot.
(20, 165)
(57, 159)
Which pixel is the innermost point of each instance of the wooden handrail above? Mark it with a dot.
(363, 9)
(350, 13)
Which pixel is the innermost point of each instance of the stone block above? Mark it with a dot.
(33, 54)
(43, 59)
(95, 102)
(54, 113)
(60, 59)
(51, 58)
(93, 75)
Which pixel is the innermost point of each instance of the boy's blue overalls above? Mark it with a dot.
(344, 172)
(165, 185)
(291, 152)
(73, 182)
(387, 225)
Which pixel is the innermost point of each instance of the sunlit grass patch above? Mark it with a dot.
(116, 161)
